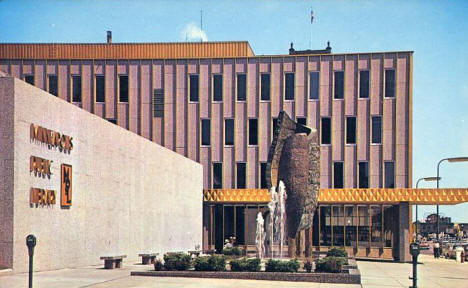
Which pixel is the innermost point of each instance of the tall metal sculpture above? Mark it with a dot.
(294, 158)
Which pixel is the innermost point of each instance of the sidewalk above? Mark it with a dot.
(432, 273)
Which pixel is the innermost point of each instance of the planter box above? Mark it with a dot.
(352, 277)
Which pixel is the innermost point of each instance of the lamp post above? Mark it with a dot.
(417, 184)
(454, 159)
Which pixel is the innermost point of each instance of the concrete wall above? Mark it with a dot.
(179, 130)
(129, 196)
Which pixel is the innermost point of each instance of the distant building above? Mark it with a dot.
(429, 226)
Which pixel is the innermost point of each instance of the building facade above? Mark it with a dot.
(216, 103)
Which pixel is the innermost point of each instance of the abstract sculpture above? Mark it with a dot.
(294, 158)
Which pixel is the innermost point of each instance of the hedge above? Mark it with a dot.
(177, 261)
(232, 251)
(330, 264)
(244, 264)
(337, 252)
(210, 263)
(282, 266)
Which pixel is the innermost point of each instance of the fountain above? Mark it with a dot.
(260, 236)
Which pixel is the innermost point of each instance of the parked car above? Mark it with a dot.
(424, 246)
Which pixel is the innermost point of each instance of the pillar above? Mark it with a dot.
(292, 247)
(404, 232)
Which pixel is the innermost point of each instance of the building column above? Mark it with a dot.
(403, 232)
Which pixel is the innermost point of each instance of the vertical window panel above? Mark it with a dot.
(289, 86)
(53, 85)
(364, 84)
(100, 88)
(390, 83)
(376, 218)
(253, 131)
(228, 132)
(363, 228)
(265, 87)
(29, 79)
(363, 175)
(241, 87)
(351, 226)
(218, 87)
(339, 85)
(314, 85)
(263, 171)
(240, 175)
(338, 175)
(123, 88)
(376, 129)
(206, 132)
(217, 175)
(351, 130)
(194, 82)
(389, 175)
(76, 88)
(326, 130)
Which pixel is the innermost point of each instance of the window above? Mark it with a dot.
(218, 87)
(194, 88)
(158, 103)
(76, 81)
(240, 176)
(302, 120)
(326, 130)
(265, 87)
(241, 87)
(205, 123)
(123, 88)
(275, 124)
(100, 88)
(339, 85)
(289, 88)
(376, 129)
(389, 174)
(29, 79)
(113, 121)
(253, 131)
(228, 132)
(217, 175)
(338, 175)
(263, 171)
(351, 130)
(363, 226)
(363, 175)
(53, 85)
(390, 83)
(314, 85)
(364, 84)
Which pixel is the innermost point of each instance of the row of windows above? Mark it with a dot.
(241, 87)
(338, 175)
(376, 130)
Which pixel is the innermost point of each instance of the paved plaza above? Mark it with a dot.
(432, 273)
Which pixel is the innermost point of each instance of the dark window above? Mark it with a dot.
(326, 130)
(76, 88)
(218, 87)
(376, 129)
(217, 175)
(123, 88)
(351, 130)
(253, 131)
(389, 83)
(228, 131)
(289, 89)
(275, 124)
(29, 79)
(339, 85)
(100, 89)
(338, 175)
(241, 87)
(364, 84)
(314, 85)
(113, 121)
(205, 123)
(194, 88)
(363, 175)
(240, 180)
(158, 103)
(53, 85)
(389, 175)
(263, 171)
(302, 120)
(265, 86)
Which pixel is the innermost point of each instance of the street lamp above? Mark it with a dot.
(417, 184)
(454, 159)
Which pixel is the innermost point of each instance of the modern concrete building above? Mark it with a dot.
(87, 188)
(216, 103)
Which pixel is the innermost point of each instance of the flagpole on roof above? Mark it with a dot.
(311, 21)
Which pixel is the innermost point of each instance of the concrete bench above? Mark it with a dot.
(111, 262)
(148, 258)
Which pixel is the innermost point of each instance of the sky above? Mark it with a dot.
(435, 30)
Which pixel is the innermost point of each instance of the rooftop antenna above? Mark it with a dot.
(201, 23)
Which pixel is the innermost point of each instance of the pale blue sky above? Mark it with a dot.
(435, 30)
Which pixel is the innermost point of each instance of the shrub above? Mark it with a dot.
(158, 265)
(210, 263)
(337, 252)
(308, 266)
(282, 266)
(177, 261)
(232, 251)
(330, 264)
(251, 265)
